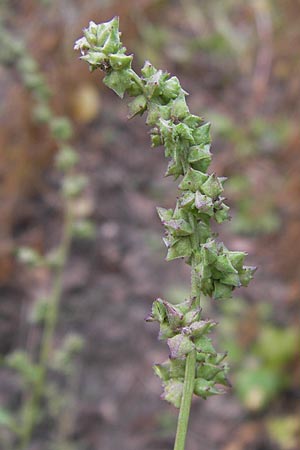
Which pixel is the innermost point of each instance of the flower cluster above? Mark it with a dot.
(216, 271)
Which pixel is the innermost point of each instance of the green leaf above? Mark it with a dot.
(173, 392)
(212, 186)
(247, 274)
(179, 227)
(158, 312)
(202, 134)
(204, 345)
(180, 345)
(201, 327)
(207, 371)
(163, 370)
(179, 108)
(174, 168)
(200, 157)
(204, 388)
(171, 88)
(223, 264)
(193, 180)
(184, 132)
(120, 61)
(237, 259)
(177, 368)
(232, 279)
(182, 248)
(174, 316)
(137, 106)
(148, 70)
(119, 81)
(204, 204)
(209, 252)
(222, 291)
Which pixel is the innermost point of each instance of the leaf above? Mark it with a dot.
(173, 392)
(232, 279)
(179, 108)
(174, 316)
(119, 81)
(158, 312)
(120, 61)
(181, 249)
(222, 291)
(163, 370)
(204, 388)
(237, 259)
(180, 346)
(201, 327)
(179, 227)
(137, 106)
(200, 157)
(204, 345)
(212, 186)
(193, 180)
(164, 214)
(202, 134)
(223, 264)
(247, 274)
(204, 204)
(177, 368)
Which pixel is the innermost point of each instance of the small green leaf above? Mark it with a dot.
(180, 249)
(193, 180)
(173, 392)
(212, 186)
(179, 227)
(223, 264)
(204, 388)
(204, 204)
(232, 279)
(119, 81)
(120, 61)
(163, 370)
(202, 134)
(158, 311)
(204, 345)
(222, 291)
(137, 106)
(180, 345)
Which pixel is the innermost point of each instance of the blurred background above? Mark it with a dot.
(239, 60)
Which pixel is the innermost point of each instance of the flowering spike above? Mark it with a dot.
(194, 364)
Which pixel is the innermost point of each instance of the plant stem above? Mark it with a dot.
(184, 412)
(31, 408)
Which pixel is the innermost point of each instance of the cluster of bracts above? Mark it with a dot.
(186, 139)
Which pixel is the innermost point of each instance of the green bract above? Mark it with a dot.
(216, 271)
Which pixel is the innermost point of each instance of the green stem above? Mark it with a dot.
(31, 408)
(184, 412)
